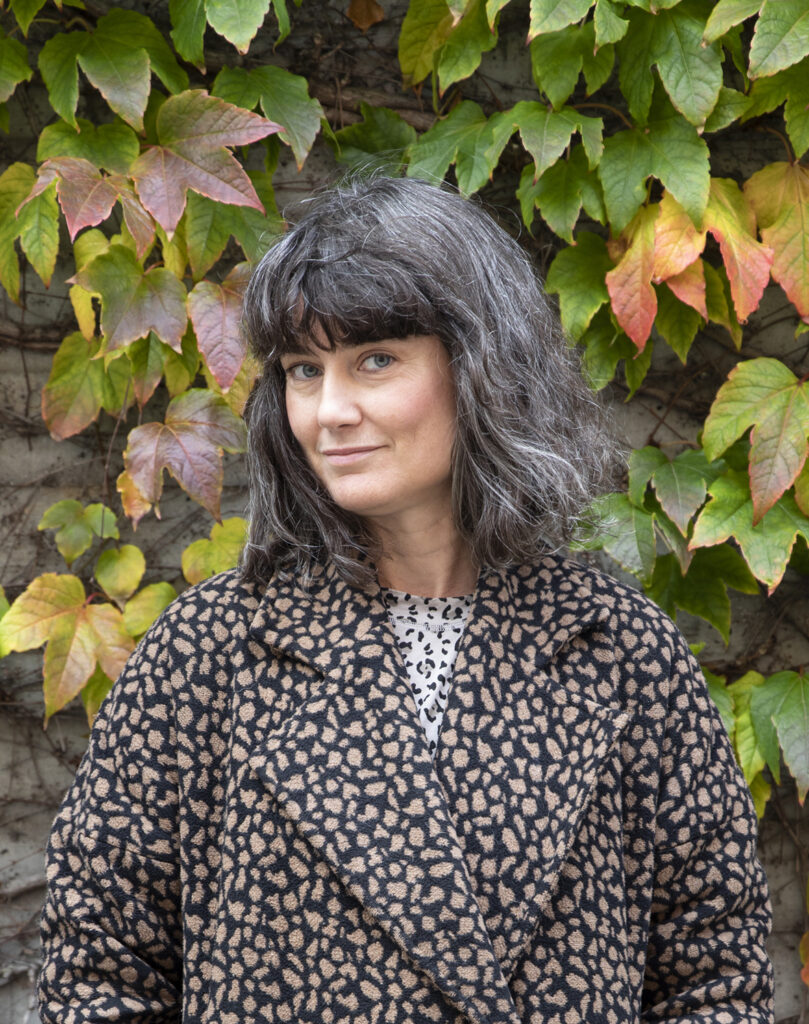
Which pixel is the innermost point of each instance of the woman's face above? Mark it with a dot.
(376, 423)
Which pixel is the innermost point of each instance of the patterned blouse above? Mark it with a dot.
(428, 630)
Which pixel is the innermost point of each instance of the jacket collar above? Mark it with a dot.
(390, 835)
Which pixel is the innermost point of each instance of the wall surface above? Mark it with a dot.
(36, 766)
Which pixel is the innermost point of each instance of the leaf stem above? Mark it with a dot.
(606, 106)
(782, 137)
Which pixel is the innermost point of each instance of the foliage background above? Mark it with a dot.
(652, 150)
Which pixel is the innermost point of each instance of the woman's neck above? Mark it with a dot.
(430, 560)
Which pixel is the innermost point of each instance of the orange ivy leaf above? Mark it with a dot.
(134, 302)
(677, 242)
(54, 610)
(215, 311)
(689, 287)
(630, 282)
(189, 444)
(766, 395)
(730, 219)
(194, 130)
(365, 13)
(779, 194)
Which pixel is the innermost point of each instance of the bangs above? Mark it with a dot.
(346, 298)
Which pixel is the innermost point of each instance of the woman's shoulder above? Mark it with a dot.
(226, 597)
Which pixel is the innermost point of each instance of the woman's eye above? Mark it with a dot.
(302, 371)
(378, 361)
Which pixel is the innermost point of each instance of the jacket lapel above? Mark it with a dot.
(351, 768)
(519, 754)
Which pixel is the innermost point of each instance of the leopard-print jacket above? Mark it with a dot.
(257, 832)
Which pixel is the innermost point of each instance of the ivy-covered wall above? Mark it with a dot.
(649, 153)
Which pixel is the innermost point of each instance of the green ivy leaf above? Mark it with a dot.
(780, 708)
(547, 133)
(208, 227)
(204, 557)
(378, 142)
(285, 100)
(642, 465)
(16, 183)
(577, 275)
(93, 693)
(672, 151)
(680, 486)
(609, 26)
(461, 54)
(141, 610)
(748, 752)
(14, 67)
(188, 29)
(237, 20)
(726, 14)
(133, 302)
(77, 527)
(723, 700)
(119, 571)
(112, 146)
(71, 398)
(561, 193)
(636, 366)
(763, 394)
(552, 15)
(636, 53)
(718, 302)
(425, 29)
(766, 546)
(464, 136)
(38, 226)
(730, 106)
(117, 58)
(282, 17)
(626, 533)
(146, 366)
(676, 322)
(792, 86)
(25, 11)
(690, 70)
(605, 345)
(781, 37)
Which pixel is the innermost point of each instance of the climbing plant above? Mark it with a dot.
(159, 170)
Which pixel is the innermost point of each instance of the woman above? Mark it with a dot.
(407, 764)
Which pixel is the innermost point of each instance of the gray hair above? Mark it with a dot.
(392, 258)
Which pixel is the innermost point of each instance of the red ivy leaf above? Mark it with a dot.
(630, 283)
(193, 129)
(780, 196)
(689, 287)
(730, 220)
(189, 444)
(215, 311)
(85, 194)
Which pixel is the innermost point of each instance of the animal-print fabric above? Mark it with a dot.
(257, 832)
(427, 630)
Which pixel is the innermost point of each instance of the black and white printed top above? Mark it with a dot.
(428, 630)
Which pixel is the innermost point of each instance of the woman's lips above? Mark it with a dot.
(345, 456)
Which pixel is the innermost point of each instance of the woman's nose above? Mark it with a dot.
(338, 405)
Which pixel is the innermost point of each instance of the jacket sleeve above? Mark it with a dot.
(710, 913)
(111, 932)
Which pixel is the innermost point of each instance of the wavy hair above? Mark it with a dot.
(391, 258)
